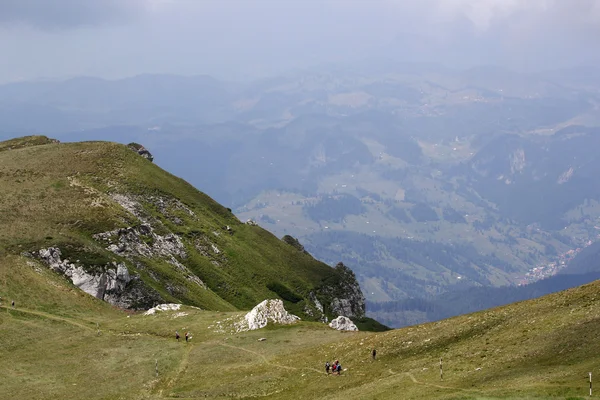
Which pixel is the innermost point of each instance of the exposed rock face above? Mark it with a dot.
(141, 150)
(316, 306)
(169, 207)
(142, 241)
(342, 323)
(267, 311)
(344, 306)
(111, 282)
(316, 301)
(346, 297)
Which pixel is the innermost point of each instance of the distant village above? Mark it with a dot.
(546, 270)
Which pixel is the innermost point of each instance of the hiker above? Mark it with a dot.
(374, 354)
(339, 368)
(13, 304)
(177, 335)
(336, 367)
(187, 336)
(327, 367)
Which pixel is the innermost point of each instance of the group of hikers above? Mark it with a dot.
(187, 336)
(336, 368)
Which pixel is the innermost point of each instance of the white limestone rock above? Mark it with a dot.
(111, 282)
(342, 323)
(268, 311)
(96, 284)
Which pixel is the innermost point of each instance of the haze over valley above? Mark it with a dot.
(424, 179)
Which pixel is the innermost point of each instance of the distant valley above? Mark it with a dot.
(426, 181)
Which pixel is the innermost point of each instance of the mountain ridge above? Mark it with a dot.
(128, 232)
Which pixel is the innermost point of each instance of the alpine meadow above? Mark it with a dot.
(299, 199)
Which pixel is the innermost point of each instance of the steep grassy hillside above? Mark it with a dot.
(51, 349)
(132, 234)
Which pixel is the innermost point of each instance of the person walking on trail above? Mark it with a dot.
(327, 367)
(177, 335)
(187, 336)
(374, 353)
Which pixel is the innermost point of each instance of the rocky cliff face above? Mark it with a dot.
(111, 282)
(142, 241)
(341, 295)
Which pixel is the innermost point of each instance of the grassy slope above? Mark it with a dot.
(541, 348)
(56, 194)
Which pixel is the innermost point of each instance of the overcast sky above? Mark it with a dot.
(245, 38)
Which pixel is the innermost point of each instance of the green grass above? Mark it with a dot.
(538, 349)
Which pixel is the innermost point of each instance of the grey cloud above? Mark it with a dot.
(62, 14)
(527, 34)
(249, 38)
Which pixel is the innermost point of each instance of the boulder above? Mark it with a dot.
(268, 311)
(342, 323)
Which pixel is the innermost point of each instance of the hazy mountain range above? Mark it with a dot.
(423, 179)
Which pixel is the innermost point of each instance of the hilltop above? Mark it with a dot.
(127, 232)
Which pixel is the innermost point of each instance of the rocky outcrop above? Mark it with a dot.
(170, 207)
(141, 150)
(111, 282)
(342, 295)
(142, 241)
(268, 311)
(342, 323)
